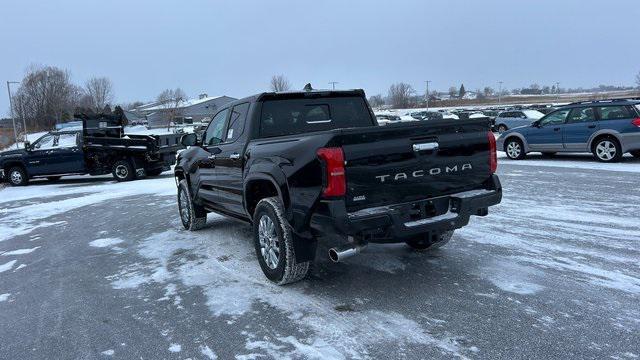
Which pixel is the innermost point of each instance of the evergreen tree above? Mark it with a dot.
(462, 91)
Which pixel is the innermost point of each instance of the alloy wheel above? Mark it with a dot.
(184, 207)
(269, 242)
(606, 150)
(16, 177)
(514, 149)
(122, 171)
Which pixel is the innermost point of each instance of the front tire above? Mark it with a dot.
(17, 176)
(273, 240)
(423, 243)
(514, 149)
(123, 171)
(193, 216)
(607, 149)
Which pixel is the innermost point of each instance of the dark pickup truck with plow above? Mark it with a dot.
(310, 165)
(101, 147)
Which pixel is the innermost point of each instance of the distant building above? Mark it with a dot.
(197, 110)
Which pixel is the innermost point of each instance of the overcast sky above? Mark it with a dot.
(234, 47)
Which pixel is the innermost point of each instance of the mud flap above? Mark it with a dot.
(305, 248)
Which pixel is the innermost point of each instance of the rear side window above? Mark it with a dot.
(295, 116)
(579, 115)
(237, 121)
(615, 112)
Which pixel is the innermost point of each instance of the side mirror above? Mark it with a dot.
(27, 145)
(189, 139)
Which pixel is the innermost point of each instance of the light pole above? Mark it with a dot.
(13, 119)
(333, 84)
(427, 81)
(500, 93)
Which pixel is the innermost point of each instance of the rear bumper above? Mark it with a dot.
(398, 222)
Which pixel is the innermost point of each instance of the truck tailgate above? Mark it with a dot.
(400, 163)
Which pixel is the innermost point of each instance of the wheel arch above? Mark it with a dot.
(259, 186)
(605, 133)
(6, 166)
(520, 137)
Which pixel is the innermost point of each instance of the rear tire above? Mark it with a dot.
(423, 243)
(123, 171)
(636, 154)
(514, 149)
(607, 149)
(53, 178)
(17, 176)
(273, 240)
(193, 216)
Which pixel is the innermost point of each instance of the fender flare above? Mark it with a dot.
(608, 132)
(276, 178)
(7, 164)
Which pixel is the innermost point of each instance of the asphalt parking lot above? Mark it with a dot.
(94, 269)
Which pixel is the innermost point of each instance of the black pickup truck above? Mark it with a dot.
(99, 148)
(303, 166)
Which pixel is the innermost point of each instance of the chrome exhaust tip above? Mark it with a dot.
(343, 252)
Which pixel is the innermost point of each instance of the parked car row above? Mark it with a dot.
(608, 129)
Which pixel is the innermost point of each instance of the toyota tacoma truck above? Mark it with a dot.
(310, 166)
(101, 147)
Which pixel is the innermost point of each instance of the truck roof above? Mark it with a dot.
(298, 94)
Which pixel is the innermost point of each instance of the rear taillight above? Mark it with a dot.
(335, 181)
(493, 154)
(636, 122)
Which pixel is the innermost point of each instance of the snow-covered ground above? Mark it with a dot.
(552, 272)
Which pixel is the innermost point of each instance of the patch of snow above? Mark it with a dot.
(206, 351)
(7, 266)
(175, 348)
(109, 352)
(20, 251)
(100, 243)
(239, 277)
(4, 297)
(20, 267)
(512, 277)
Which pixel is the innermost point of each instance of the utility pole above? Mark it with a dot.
(13, 119)
(333, 84)
(427, 81)
(500, 93)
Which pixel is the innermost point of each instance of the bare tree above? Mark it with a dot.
(99, 91)
(400, 95)
(453, 92)
(46, 96)
(280, 83)
(376, 101)
(172, 101)
(488, 91)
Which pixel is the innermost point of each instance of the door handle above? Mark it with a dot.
(234, 156)
(591, 126)
(556, 129)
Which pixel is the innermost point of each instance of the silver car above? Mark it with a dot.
(514, 118)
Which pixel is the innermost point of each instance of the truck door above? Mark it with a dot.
(229, 162)
(205, 167)
(40, 157)
(68, 155)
